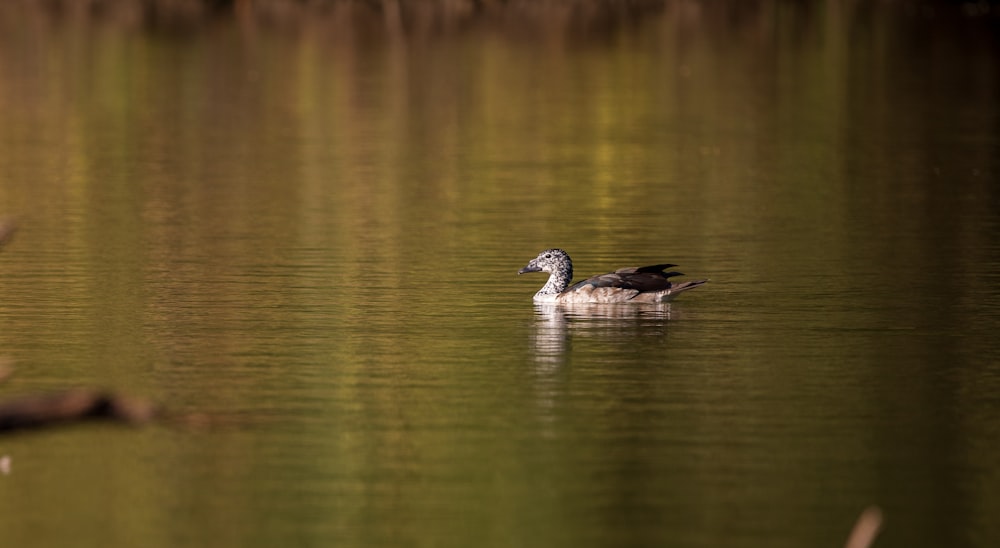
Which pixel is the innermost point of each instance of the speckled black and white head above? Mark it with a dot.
(560, 268)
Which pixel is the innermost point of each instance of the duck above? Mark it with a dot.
(643, 284)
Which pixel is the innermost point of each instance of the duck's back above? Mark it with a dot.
(634, 284)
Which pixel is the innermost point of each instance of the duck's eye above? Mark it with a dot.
(548, 255)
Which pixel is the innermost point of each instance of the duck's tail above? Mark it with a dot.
(684, 286)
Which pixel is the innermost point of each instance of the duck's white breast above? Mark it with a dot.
(546, 297)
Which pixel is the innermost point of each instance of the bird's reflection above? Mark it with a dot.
(557, 324)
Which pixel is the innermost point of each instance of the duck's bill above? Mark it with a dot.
(529, 268)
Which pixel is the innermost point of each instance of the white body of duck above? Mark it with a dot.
(644, 284)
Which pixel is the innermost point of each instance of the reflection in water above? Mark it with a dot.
(549, 336)
(554, 330)
(555, 324)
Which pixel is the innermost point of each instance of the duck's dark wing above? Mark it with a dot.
(642, 279)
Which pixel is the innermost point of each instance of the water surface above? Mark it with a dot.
(307, 235)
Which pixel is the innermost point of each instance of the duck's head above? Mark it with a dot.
(551, 261)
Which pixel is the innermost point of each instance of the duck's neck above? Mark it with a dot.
(557, 283)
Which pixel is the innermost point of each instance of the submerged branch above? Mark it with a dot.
(866, 528)
(75, 405)
(8, 225)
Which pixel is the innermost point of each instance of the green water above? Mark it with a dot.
(307, 236)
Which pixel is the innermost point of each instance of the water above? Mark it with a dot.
(302, 238)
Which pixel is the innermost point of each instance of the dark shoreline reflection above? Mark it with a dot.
(583, 21)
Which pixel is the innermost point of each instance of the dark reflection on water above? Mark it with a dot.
(303, 227)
